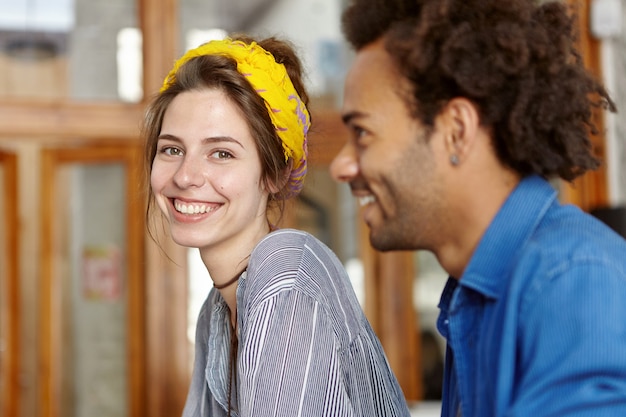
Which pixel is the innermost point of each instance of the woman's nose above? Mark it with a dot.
(344, 166)
(190, 173)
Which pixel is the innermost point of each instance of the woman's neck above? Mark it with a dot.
(227, 261)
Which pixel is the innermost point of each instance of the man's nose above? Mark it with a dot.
(344, 166)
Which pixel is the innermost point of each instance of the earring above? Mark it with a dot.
(454, 159)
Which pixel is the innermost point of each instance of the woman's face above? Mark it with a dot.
(206, 174)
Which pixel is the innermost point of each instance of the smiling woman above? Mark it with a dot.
(282, 331)
(206, 176)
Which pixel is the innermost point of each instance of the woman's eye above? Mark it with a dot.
(171, 151)
(222, 155)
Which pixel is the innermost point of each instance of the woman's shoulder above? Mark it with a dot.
(286, 255)
(287, 241)
(288, 236)
(289, 264)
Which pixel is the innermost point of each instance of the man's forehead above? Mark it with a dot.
(372, 67)
(373, 56)
(373, 76)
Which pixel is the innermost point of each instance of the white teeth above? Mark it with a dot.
(364, 201)
(192, 208)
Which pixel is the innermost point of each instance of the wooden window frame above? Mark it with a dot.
(10, 359)
(50, 304)
(591, 189)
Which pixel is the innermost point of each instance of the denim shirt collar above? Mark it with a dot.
(503, 239)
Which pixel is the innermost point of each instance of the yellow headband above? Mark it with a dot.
(288, 113)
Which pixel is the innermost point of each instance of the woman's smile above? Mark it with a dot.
(184, 207)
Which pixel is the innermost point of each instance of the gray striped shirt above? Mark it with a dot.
(305, 346)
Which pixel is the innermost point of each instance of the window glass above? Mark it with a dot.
(68, 49)
(91, 272)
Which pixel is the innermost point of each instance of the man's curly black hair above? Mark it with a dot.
(516, 60)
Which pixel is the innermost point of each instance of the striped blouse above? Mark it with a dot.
(305, 347)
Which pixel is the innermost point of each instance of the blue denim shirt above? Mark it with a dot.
(536, 326)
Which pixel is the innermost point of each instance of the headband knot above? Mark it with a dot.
(270, 80)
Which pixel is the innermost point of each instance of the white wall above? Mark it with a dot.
(314, 27)
(613, 53)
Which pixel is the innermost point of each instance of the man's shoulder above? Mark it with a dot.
(567, 238)
(569, 231)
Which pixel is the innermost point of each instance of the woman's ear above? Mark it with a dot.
(276, 188)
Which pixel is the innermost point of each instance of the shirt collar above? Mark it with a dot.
(506, 235)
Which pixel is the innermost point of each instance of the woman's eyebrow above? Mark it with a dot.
(211, 139)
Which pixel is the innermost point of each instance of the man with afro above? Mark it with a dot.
(461, 112)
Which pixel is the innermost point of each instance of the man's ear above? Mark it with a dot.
(462, 124)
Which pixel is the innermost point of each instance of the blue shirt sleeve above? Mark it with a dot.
(572, 353)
